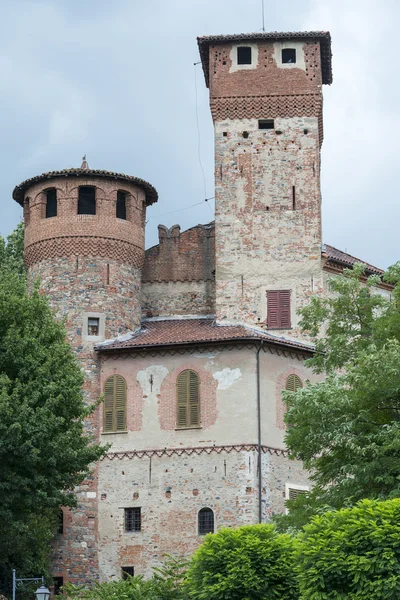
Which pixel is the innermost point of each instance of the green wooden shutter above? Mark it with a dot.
(293, 383)
(194, 398)
(181, 400)
(115, 404)
(108, 404)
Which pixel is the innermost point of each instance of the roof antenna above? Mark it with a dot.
(263, 19)
(84, 164)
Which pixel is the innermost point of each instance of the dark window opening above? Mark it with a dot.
(58, 582)
(60, 528)
(278, 309)
(121, 205)
(288, 55)
(244, 55)
(127, 572)
(293, 197)
(245, 134)
(93, 326)
(206, 521)
(87, 200)
(133, 519)
(51, 203)
(265, 124)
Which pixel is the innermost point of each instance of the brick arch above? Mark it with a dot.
(208, 397)
(280, 386)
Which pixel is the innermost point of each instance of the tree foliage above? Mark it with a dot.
(352, 553)
(346, 429)
(12, 250)
(44, 450)
(252, 562)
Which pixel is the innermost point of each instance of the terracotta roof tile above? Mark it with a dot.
(192, 331)
(324, 37)
(151, 192)
(342, 258)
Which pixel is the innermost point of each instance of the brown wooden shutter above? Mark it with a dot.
(293, 383)
(293, 493)
(278, 309)
(115, 404)
(188, 399)
(108, 404)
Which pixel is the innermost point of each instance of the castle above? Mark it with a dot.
(193, 340)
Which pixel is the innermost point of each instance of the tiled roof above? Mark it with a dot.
(192, 331)
(342, 258)
(324, 38)
(151, 192)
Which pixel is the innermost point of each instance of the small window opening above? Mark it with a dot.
(87, 200)
(293, 197)
(225, 133)
(244, 55)
(265, 124)
(121, 205)
(288, 55)
(127, 572)
(60, 528)
(58, 582)
(245, 134)
(51, 203)
(133, 519)
(206, 521)
(93, 326)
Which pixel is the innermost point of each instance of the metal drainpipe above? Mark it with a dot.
(259, 433)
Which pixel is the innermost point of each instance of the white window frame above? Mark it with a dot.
(93, 338)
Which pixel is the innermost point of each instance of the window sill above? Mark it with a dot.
(113, 432)
(185, 428)
(279, 328)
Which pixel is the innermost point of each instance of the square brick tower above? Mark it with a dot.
(266, 103)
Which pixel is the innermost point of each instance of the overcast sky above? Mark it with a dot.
(116, 80)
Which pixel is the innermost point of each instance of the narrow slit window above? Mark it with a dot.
(127, 572)
(133, 519)
(266, 124)
(51, 203)
(93, 326)
(288, 56)
(244, 55)
(206, 521)
(87, 200)
(60, 528)
(115, 404)
(188, 399)
(121, 205)
(293, 197)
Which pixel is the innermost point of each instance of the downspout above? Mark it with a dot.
(259, 433)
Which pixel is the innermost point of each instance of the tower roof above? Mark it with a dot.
(323, 37)
(151, 192)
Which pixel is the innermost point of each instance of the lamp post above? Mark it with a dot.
(42, 593)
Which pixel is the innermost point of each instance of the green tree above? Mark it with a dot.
(252, 562)
(346, 429)
(12, 250)
(44, 450)
(352, 553)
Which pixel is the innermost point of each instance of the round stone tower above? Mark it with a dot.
(84, 241)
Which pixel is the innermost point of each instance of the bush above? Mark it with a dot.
(352, 553)
(252, 562)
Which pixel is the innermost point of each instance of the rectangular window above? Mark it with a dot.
(51, 203)
(58, 583)
(60, 528)
(244, 55)
(265, 124)
(133, 519)
(121, 205)
(292, 491)
(288, 55)
(278, 309)
(93, 326)
(87, 200)
(127, 572)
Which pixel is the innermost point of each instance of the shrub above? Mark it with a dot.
(352, 553)
(252, 562)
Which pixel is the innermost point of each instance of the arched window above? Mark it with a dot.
(115, 404)
(188, 399)
(206, 521)
(87, 200)
(121, 204)
(51, 202)
(293, 383)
